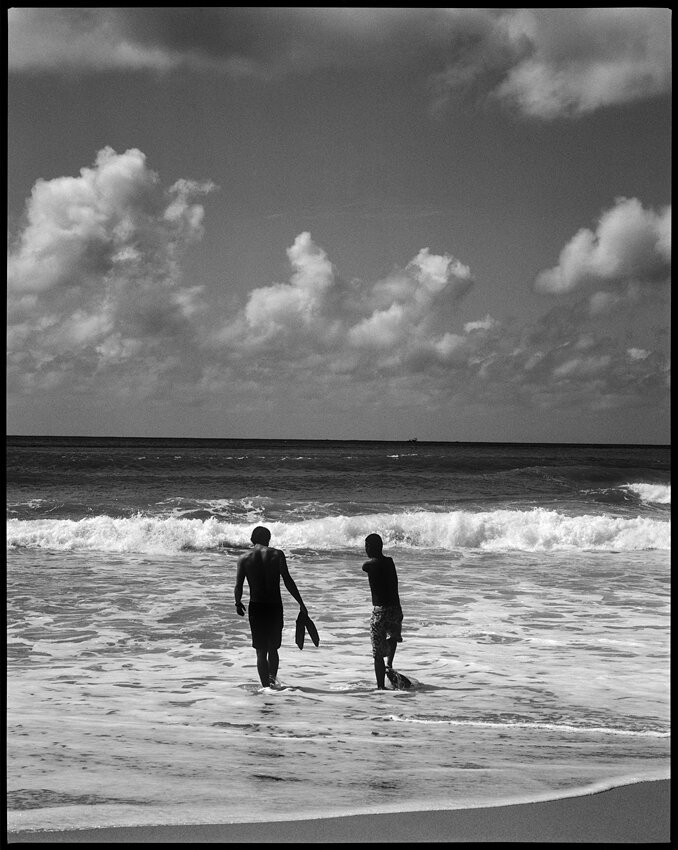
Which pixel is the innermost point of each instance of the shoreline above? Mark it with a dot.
(638, 812)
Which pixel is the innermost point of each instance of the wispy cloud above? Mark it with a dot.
(543, 63)
(569, 62)
(97, 303)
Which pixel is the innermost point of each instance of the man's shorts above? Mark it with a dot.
(385, 624)
(266, 623)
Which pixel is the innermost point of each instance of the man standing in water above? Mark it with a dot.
(387, 615)
(263, 568)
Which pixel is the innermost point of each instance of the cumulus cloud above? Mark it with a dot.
(362, 326)
(631, 246)
(638, 353)
(299, 306)
(94, 276)
(97, 304)
(544, 63)
(403, 335)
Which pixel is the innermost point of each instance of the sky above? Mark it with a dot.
(340, 223)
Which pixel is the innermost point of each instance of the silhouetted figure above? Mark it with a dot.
(387, 615)
(263, 568)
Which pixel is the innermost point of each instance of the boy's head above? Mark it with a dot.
(261, 535)
(373, 545)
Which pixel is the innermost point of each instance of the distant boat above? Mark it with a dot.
(412, 440)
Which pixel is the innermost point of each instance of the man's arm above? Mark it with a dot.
(239, 583)
(289, 581)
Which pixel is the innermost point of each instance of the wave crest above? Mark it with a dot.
(659, 494)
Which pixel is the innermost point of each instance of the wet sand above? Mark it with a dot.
(631, 814)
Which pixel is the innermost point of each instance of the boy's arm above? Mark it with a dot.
(289, 582)
(239, 582)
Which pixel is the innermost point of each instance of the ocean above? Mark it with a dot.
(535, 586)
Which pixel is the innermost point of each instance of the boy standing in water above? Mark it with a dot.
(263, 568)
(387, 615)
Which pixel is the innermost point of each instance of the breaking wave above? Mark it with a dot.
(536, 530)
(659, 494)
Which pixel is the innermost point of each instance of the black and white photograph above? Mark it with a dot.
(338, 497)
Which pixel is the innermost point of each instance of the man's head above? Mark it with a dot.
(261, 535)
(373, 545)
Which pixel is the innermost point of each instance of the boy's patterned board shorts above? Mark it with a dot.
(385, 624)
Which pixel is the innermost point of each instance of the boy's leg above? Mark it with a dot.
(392, 644)
(379, 671)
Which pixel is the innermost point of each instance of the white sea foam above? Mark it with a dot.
(659, 494)
(544, 727)
(536, 530)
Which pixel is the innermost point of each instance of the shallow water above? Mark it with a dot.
(133, 694)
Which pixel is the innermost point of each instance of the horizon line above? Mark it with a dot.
(410, 440)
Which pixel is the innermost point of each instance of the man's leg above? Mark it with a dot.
(273, 663)
(262, 667)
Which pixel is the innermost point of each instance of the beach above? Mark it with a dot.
(535, 583)
(631, 814)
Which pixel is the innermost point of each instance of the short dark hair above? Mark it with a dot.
(261, 535)
(374, 541)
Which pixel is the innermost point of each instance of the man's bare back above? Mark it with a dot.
(263, 568)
